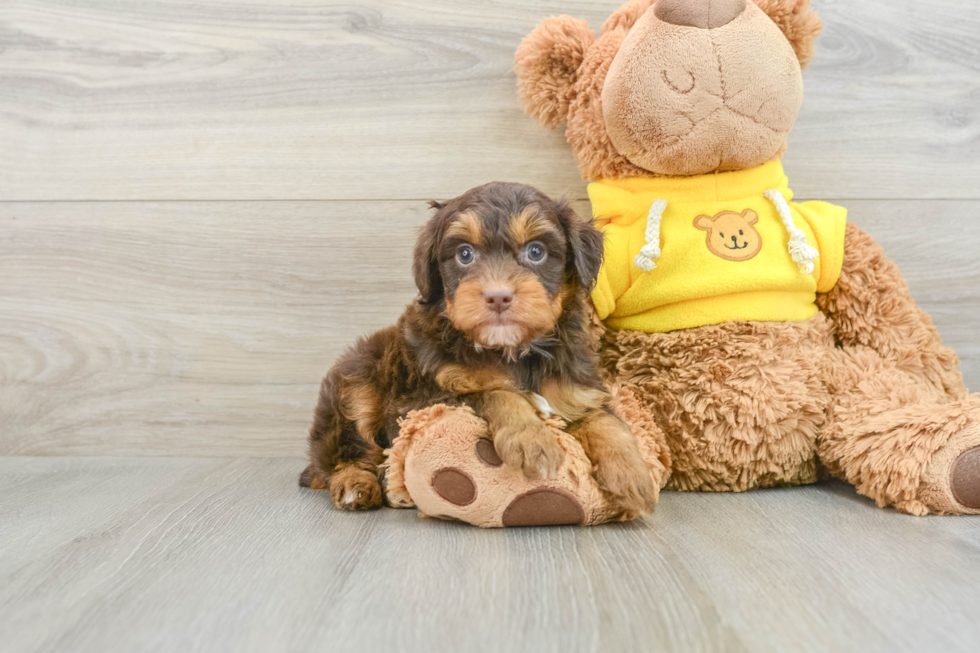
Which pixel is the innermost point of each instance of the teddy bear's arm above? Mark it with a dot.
(871, 306)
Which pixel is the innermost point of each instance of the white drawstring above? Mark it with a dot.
(802, 252)
(651, 251)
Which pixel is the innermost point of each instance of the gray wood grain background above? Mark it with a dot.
(147, 308)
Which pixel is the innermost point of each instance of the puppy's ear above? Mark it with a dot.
(425, 264)
(547, 64)
(584, 245)
(798, 22)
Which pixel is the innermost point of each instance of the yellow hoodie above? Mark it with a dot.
(689, 252)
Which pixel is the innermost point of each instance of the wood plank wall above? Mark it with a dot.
(202, 203)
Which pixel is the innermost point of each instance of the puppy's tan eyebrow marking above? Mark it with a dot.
(467, 227)
(528, 225)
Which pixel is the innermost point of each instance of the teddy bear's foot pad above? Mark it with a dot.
(486, 452)
(455, 486)
(965, 478)
(544, 506)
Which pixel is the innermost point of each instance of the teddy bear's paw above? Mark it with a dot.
(544, 506)
(951, 483)
(533, 448)
(540, 506)
(964, 478)
(626, 483)
(352, 488)
(479, 488)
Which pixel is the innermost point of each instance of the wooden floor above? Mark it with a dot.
(223, 554)
(202, 203)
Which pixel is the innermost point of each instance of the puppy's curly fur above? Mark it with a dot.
(503, 273)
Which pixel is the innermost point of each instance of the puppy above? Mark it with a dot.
(503, 274)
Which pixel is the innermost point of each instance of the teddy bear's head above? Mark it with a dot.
(671, 87)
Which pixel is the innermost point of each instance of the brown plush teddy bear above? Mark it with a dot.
(772, 340)
(756, 342)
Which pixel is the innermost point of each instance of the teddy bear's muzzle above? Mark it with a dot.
(704, 14)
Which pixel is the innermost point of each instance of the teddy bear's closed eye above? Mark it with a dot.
(681, 82)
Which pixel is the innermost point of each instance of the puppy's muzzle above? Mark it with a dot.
(499, 298)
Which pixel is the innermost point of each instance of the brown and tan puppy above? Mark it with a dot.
(502, 273)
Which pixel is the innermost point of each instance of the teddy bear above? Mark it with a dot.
(749, 340)
(772, 340)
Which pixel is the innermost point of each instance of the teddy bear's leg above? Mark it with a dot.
(899, 441)
(902, 426)
(444, 462)
(739, 404)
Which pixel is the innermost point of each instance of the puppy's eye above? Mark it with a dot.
(722, 235)
(740, 233)
(535, 252)
(465, 255)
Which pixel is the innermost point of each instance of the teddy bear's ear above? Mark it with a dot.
(750, 216)
(627, 15)
(799, 23)
(547, 66)
(704, 222)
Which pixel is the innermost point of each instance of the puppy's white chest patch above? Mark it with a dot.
(543, 406)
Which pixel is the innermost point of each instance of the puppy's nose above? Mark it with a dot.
(705, 14)
(735, 240)
(499, 298)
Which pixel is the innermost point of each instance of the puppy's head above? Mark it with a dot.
(501, 259)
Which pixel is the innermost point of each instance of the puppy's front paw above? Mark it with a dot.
(530, 447)
(352, 488)
(623, 477)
